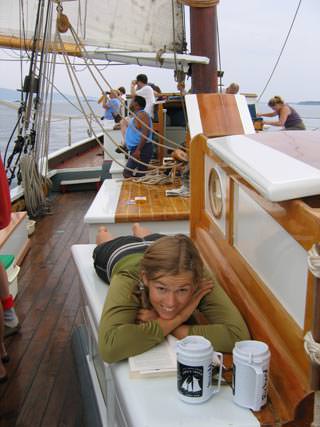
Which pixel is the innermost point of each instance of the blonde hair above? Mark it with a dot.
(233, 88)
(275, 100)
(172, 255)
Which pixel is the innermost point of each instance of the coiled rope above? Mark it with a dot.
(312, 347)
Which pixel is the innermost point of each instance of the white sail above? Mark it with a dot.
(139, 25)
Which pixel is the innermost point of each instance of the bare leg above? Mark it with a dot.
(123, 127)
(4, 284)
(139, 231)
(9, 314)
(103, 236)
(3, 352)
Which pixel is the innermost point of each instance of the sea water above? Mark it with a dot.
(62, 111)
(59, 128)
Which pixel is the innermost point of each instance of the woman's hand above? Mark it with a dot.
(181, 332)
(204, 288)
(146, 314)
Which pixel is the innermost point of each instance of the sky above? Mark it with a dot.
(251, 34)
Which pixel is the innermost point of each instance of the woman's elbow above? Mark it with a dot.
(107, 351)
(239, 334)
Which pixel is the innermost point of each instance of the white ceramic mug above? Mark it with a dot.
(250, 374)
(195, 360)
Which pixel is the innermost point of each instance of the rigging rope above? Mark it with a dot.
(81, 47)
(281, 51)
(69, 67)
(312, 347)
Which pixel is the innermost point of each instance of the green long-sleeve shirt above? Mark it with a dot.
(120, 337)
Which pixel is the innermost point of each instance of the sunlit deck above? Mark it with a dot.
(43, 388)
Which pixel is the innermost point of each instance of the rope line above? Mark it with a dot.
(281, 51)
(312, 348)
(86, 60)
(69, 69)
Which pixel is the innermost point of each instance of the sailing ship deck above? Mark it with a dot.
(43, 388)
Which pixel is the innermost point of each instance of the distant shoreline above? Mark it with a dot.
(308, 103)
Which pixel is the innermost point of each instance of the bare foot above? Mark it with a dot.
(103, 235)
(139, 231)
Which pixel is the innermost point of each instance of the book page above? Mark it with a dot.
(161, 358)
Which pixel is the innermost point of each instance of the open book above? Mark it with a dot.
(160, 360)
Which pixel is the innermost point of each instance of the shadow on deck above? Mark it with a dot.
(43, 388)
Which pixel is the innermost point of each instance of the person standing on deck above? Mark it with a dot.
(111, 105)
(140, 87)
(123, 100)
(9, 323)
(138, 138)
(288, 118)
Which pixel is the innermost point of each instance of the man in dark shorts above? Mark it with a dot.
(138, 139)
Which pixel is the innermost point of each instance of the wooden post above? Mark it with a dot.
(203, 29)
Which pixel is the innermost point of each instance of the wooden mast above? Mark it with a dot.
(203, 31)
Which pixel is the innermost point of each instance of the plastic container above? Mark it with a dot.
(12, 270)
(251, 361)
(195, 359)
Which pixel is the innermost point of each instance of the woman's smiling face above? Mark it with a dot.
(170, 294)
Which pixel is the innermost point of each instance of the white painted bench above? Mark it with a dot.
(116, 170)
(151, 402)
(78, 181)
(103, 210)
(14, 238)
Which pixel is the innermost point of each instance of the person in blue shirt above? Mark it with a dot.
(112, 105)
(138, 139)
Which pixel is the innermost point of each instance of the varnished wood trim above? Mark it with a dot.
(295, 216)
(159, 128)
(219, 115)
(230, 210)
(23, 252)
(156, 207)
(197, 181)
(16, 219)
(289, 364)
(22, 44)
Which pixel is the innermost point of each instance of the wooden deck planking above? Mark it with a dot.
(41, 369)
(156, 207)
(89, 158)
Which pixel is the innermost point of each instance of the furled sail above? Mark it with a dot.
(139, 25)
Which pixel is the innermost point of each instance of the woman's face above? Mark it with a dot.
(170, 294)
(276, 107)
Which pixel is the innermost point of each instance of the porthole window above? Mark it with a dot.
(215, 193)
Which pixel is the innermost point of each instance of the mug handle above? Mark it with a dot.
(259, 385)
(217, 360)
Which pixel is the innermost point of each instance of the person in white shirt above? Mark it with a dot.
(140, 87)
